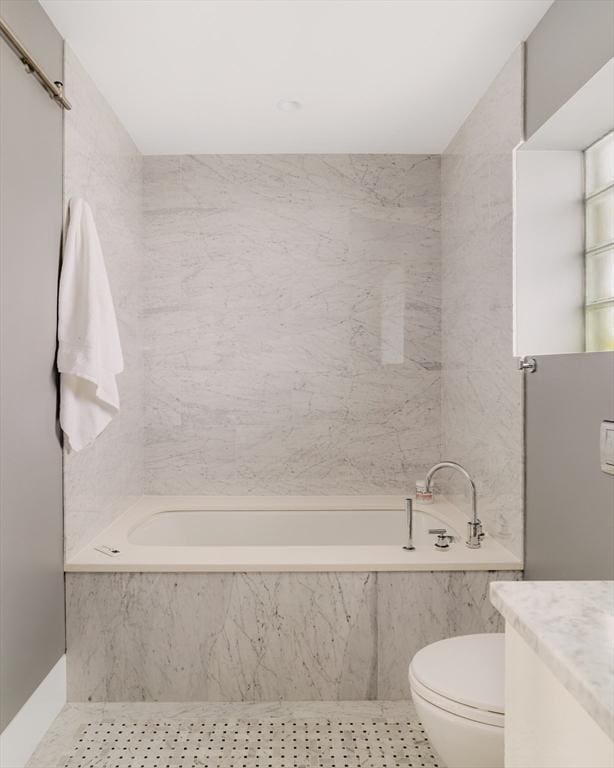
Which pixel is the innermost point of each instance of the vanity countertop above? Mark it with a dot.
(570, 625)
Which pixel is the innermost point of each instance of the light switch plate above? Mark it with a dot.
(606, 443)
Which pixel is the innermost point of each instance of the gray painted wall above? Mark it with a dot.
(570, 501)
(573, 40)
(31, 565)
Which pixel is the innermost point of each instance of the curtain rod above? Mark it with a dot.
(54, 89)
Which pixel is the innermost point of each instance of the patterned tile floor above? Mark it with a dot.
(281, 735)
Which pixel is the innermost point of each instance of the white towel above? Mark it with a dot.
(89, 349)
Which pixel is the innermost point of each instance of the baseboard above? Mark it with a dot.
(21, 736)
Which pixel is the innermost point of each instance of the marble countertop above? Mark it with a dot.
(570, 625)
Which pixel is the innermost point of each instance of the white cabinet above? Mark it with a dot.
(545, 726)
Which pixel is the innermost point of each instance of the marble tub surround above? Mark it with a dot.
(482, 390)
(261, 636)
(570, 626)
(292, 323)
(416, 609)
(103, 166)
(338, 518)
(221, 637)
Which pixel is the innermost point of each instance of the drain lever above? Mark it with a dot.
(105, 550)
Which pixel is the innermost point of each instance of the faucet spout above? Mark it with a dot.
(475, 533)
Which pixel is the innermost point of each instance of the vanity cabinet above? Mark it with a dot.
(559, 673)
(545, 725)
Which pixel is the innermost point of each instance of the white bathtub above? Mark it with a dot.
(281, 528)
(340, 533)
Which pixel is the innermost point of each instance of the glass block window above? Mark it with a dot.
(599, 247)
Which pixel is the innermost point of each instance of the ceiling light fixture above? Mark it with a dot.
(288, 105)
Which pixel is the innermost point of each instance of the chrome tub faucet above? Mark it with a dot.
(475, 533)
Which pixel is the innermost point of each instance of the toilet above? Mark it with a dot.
(457, 689)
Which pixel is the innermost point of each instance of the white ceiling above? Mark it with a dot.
(205, 76)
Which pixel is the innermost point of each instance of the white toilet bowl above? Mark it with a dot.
(457, 688)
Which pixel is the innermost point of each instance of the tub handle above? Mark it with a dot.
(443, 541)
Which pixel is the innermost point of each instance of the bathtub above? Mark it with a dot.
(242, 534)
(202, 598)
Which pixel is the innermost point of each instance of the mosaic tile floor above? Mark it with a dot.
(310, 735)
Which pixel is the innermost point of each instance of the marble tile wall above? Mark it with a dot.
(291, 323)
(102, 165)
(482, 390)
(415, 609)
(261, 636)
(190, 636)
